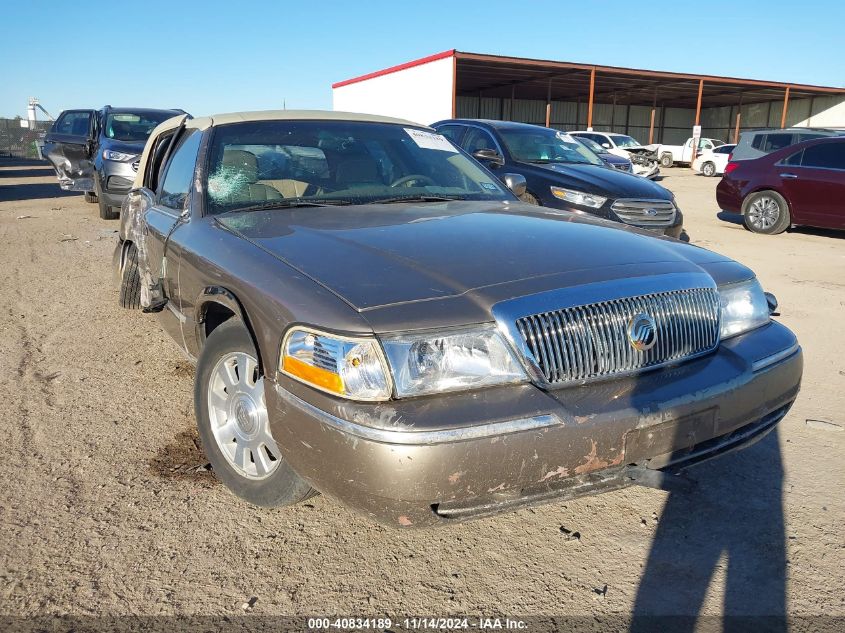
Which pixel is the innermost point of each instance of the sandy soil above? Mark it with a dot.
(107, 509)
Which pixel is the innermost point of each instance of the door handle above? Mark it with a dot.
(788, 176)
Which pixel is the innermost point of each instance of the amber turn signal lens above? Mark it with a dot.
(314, 375)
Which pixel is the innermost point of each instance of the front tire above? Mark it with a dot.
(708, 169)
(666, 160)
(106, 212)
(90, 196)
(233, 422)
(130, 280)
(766, 212)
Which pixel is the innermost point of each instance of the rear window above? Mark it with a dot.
(75, 123)
(129, 126)
(771, 142)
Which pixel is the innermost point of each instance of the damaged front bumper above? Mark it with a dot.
(429, 461)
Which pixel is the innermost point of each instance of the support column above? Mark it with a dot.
(590, 102)
(694, 148)
(738, 119)
(549, 104)
(785, 108)
(613, 115)
(651, 123)
(513, 94)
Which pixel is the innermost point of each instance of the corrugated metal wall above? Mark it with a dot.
(671, 125)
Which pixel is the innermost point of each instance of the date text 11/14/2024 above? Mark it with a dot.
(417, 624)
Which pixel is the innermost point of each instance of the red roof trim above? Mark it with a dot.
(394, 69)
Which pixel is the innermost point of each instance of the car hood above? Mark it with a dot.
(604, 181)
(428, 258)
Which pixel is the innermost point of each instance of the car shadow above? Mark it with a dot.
(727, 216)
(32, 172)
(35, 191)
(727, 522)
(736, 218)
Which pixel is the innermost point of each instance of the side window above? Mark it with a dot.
(155, 167)
(774, 142)
(827, 156)
(76, 123)
(794, 160)
(452, 132)
(179, 173)
(600, 139)
(477, 139)
(758, 141)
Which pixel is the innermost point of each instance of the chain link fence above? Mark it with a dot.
(21, 142)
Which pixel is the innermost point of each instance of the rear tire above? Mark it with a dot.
(252, 466)
(106, 212)
(766, 212)
(708, 169)
(90, 196)
(130, 281)
(666, 160)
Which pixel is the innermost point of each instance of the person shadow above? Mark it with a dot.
(724, 522)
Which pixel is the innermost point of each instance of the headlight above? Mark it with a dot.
(450, 361)
(344, 366)
(118, 156)
(578, 197)
(744, 307)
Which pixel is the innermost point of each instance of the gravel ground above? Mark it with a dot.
(107, 509)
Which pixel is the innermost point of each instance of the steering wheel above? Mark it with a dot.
(411, 178)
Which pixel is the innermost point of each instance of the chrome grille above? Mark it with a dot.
(645, 213)
(591, 341)
(623, 166)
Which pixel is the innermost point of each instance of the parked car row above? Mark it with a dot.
(355, 287)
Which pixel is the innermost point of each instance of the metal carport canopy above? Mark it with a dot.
(506, 77)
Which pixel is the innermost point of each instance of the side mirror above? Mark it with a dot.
(490, 156)
(606, 145)
(516, 183)
(772, 301)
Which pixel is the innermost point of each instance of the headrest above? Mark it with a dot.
(243, 162)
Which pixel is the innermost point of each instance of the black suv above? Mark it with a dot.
(562, 173)
(96, 151)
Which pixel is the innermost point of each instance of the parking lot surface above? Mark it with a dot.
(106, 506)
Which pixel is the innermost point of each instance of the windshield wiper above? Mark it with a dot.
(291, 203)
(419, 198)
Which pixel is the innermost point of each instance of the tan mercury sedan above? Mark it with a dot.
(377, 317)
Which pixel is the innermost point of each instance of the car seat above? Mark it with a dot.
(240, 168)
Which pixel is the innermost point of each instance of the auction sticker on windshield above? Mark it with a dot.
(431, 140)
(565, 137)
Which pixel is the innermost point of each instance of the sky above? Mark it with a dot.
(211, 56)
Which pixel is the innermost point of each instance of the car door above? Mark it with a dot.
(67, 146)
(173, 187)
(814, 183)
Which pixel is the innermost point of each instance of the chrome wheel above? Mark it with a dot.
(709, 169)
(763, 213)
(238, 415)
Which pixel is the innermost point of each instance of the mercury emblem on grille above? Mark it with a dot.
(642, 332)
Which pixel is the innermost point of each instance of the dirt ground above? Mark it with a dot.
(107, 508)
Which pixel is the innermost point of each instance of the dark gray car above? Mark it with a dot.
(96, 151)
(375, 317)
